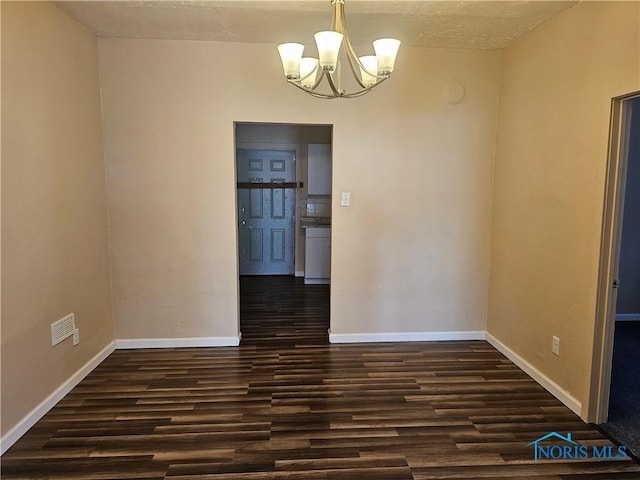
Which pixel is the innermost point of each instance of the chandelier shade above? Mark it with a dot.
(308, 71)
(328, 48)
(370, 64)
(386, 51)
(368, 71)
(291, 54)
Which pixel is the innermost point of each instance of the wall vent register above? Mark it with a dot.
(62, 329)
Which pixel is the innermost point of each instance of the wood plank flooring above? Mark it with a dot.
(284, 312)
(287, 405)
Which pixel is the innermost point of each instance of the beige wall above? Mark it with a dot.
(54, 214)
(410, 254)
(557, 85)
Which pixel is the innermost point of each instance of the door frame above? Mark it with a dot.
(602, 358)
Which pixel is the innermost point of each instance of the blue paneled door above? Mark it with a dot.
(265, 215)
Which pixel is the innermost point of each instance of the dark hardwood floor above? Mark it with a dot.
(287, 405)
(284, 312)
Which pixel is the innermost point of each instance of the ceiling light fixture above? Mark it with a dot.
(307, 73)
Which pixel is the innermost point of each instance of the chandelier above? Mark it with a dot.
(307, 73)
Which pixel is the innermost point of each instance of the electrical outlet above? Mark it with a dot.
(76, 337)
(346, 199)
(555, 345)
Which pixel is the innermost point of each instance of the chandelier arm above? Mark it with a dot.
(362, 92)
(298, 82)
(360, 64)
(314, 71)
(318, 78)
(351, 56)
(339, 24)
(324, 96)
(358, 94)
(332, 84)
(317, 81)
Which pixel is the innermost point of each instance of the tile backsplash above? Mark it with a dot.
(318, 207)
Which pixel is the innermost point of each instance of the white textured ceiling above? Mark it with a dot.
(474, 24)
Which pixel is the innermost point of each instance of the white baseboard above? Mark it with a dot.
(13, 435)
(404, 337)
(553, 388)
(317, 281)
(299, 273)
(627, 317)
(125, 343)
(38, 412)
(48, 403)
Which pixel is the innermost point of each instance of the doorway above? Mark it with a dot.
(282, 194)
(615, 400)
(623, 419)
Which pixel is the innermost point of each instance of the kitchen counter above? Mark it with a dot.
(307, 222)
(304, 227)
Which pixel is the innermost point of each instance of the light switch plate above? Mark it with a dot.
(346, 199)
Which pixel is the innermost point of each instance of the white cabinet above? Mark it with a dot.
(317, 263)
(319, 169)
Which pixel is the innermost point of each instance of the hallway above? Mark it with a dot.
(282, 311)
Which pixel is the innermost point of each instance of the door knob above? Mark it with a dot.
(243, 223)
